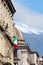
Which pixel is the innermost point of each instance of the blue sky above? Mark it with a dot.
(29, 20)
(36, 5)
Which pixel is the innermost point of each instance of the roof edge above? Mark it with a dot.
(10, 5)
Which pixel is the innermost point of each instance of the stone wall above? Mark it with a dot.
(24, 58)
(6, 50)
(6, 17)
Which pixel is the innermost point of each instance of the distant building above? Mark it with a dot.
(34, 58)
(24, 56)
(40, 61)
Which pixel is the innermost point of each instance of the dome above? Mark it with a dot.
(18, 33)
(20, 36)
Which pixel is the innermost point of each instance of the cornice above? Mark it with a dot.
(10, 5)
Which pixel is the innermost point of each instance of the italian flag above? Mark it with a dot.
(15, 38)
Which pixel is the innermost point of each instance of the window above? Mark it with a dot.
(15, 63)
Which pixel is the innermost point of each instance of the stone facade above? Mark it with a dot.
(34, 58)
(6, 28)
(6, 18)
(6, 50)
(40, 60)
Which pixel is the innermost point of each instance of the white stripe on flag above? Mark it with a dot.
(15, 42)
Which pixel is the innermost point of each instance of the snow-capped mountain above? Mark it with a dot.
(26, 29)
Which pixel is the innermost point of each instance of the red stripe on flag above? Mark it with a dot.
(15, 46)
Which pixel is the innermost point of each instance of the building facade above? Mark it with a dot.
(6, 32)
(40, 60)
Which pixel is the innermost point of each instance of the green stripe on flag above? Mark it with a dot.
(15, 38)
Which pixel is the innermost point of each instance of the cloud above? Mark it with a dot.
(24, 28)
(32, 20)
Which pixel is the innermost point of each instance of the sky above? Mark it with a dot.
(36, 5)
(29, 20)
